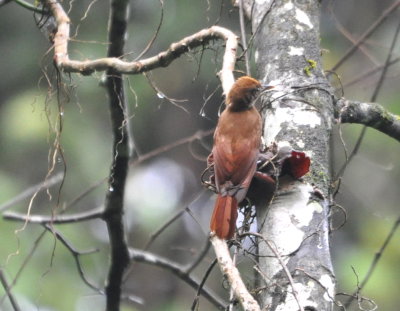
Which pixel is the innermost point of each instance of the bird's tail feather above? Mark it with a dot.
(223, 219)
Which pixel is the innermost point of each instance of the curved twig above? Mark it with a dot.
(163, 59)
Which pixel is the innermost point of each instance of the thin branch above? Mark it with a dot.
(370, 73)
(178, 270)
(283, 265)
(243, 36)
(196, 136)
(386, 65)
(229, 270)
(161, 94)
(379, 121)
(349, 37)
(199, 258)
(154, 235)
(249, 8)
(76, 254)
(148, 46)
(3, 2)
(47, 183)
(201, 285)
(83, 194)
(30, 7)
(96, 213)
(163, 59)
(367, 34)
(375, 261)
(25, 261)
(7, 289)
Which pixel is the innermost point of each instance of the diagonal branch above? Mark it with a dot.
(374, 263)
(367, 34)
(369, 114)
(179, 270)
(76, 254)
(7, 289)
(232, 274)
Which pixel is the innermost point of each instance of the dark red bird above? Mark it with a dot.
(236, 147)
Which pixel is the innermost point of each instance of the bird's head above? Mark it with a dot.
(243, 93)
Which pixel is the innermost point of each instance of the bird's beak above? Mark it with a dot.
(265, 87)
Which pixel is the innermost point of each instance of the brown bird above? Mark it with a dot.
(235, 152)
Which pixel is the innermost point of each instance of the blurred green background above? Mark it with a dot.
(164, 184)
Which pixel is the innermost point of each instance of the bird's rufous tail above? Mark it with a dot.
(223, 219)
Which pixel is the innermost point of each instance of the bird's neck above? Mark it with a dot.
(238, 106)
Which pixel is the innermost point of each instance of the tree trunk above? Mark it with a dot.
(299, 113)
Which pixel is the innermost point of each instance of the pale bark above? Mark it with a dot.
(298, 113)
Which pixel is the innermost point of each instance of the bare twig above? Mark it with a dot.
(199, 258)
(349, 37)
(51, 181)
(76, 254)
(203, 281)
(196, 136)
(367, 33)
(148, 46)
(83, 194)
(283, 265)
(384, 120)
(94, 213)
(369, 73)
(154, 235)
(55, 219)
(229, 270)
(375, 261)
(3, 2)
(7, 289)
(178, 270)
(30, 7)
(161, 94)
(25, 261)
(243, 36)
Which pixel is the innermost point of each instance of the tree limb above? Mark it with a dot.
(114, 203)
(163, 59)
(369, 114)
